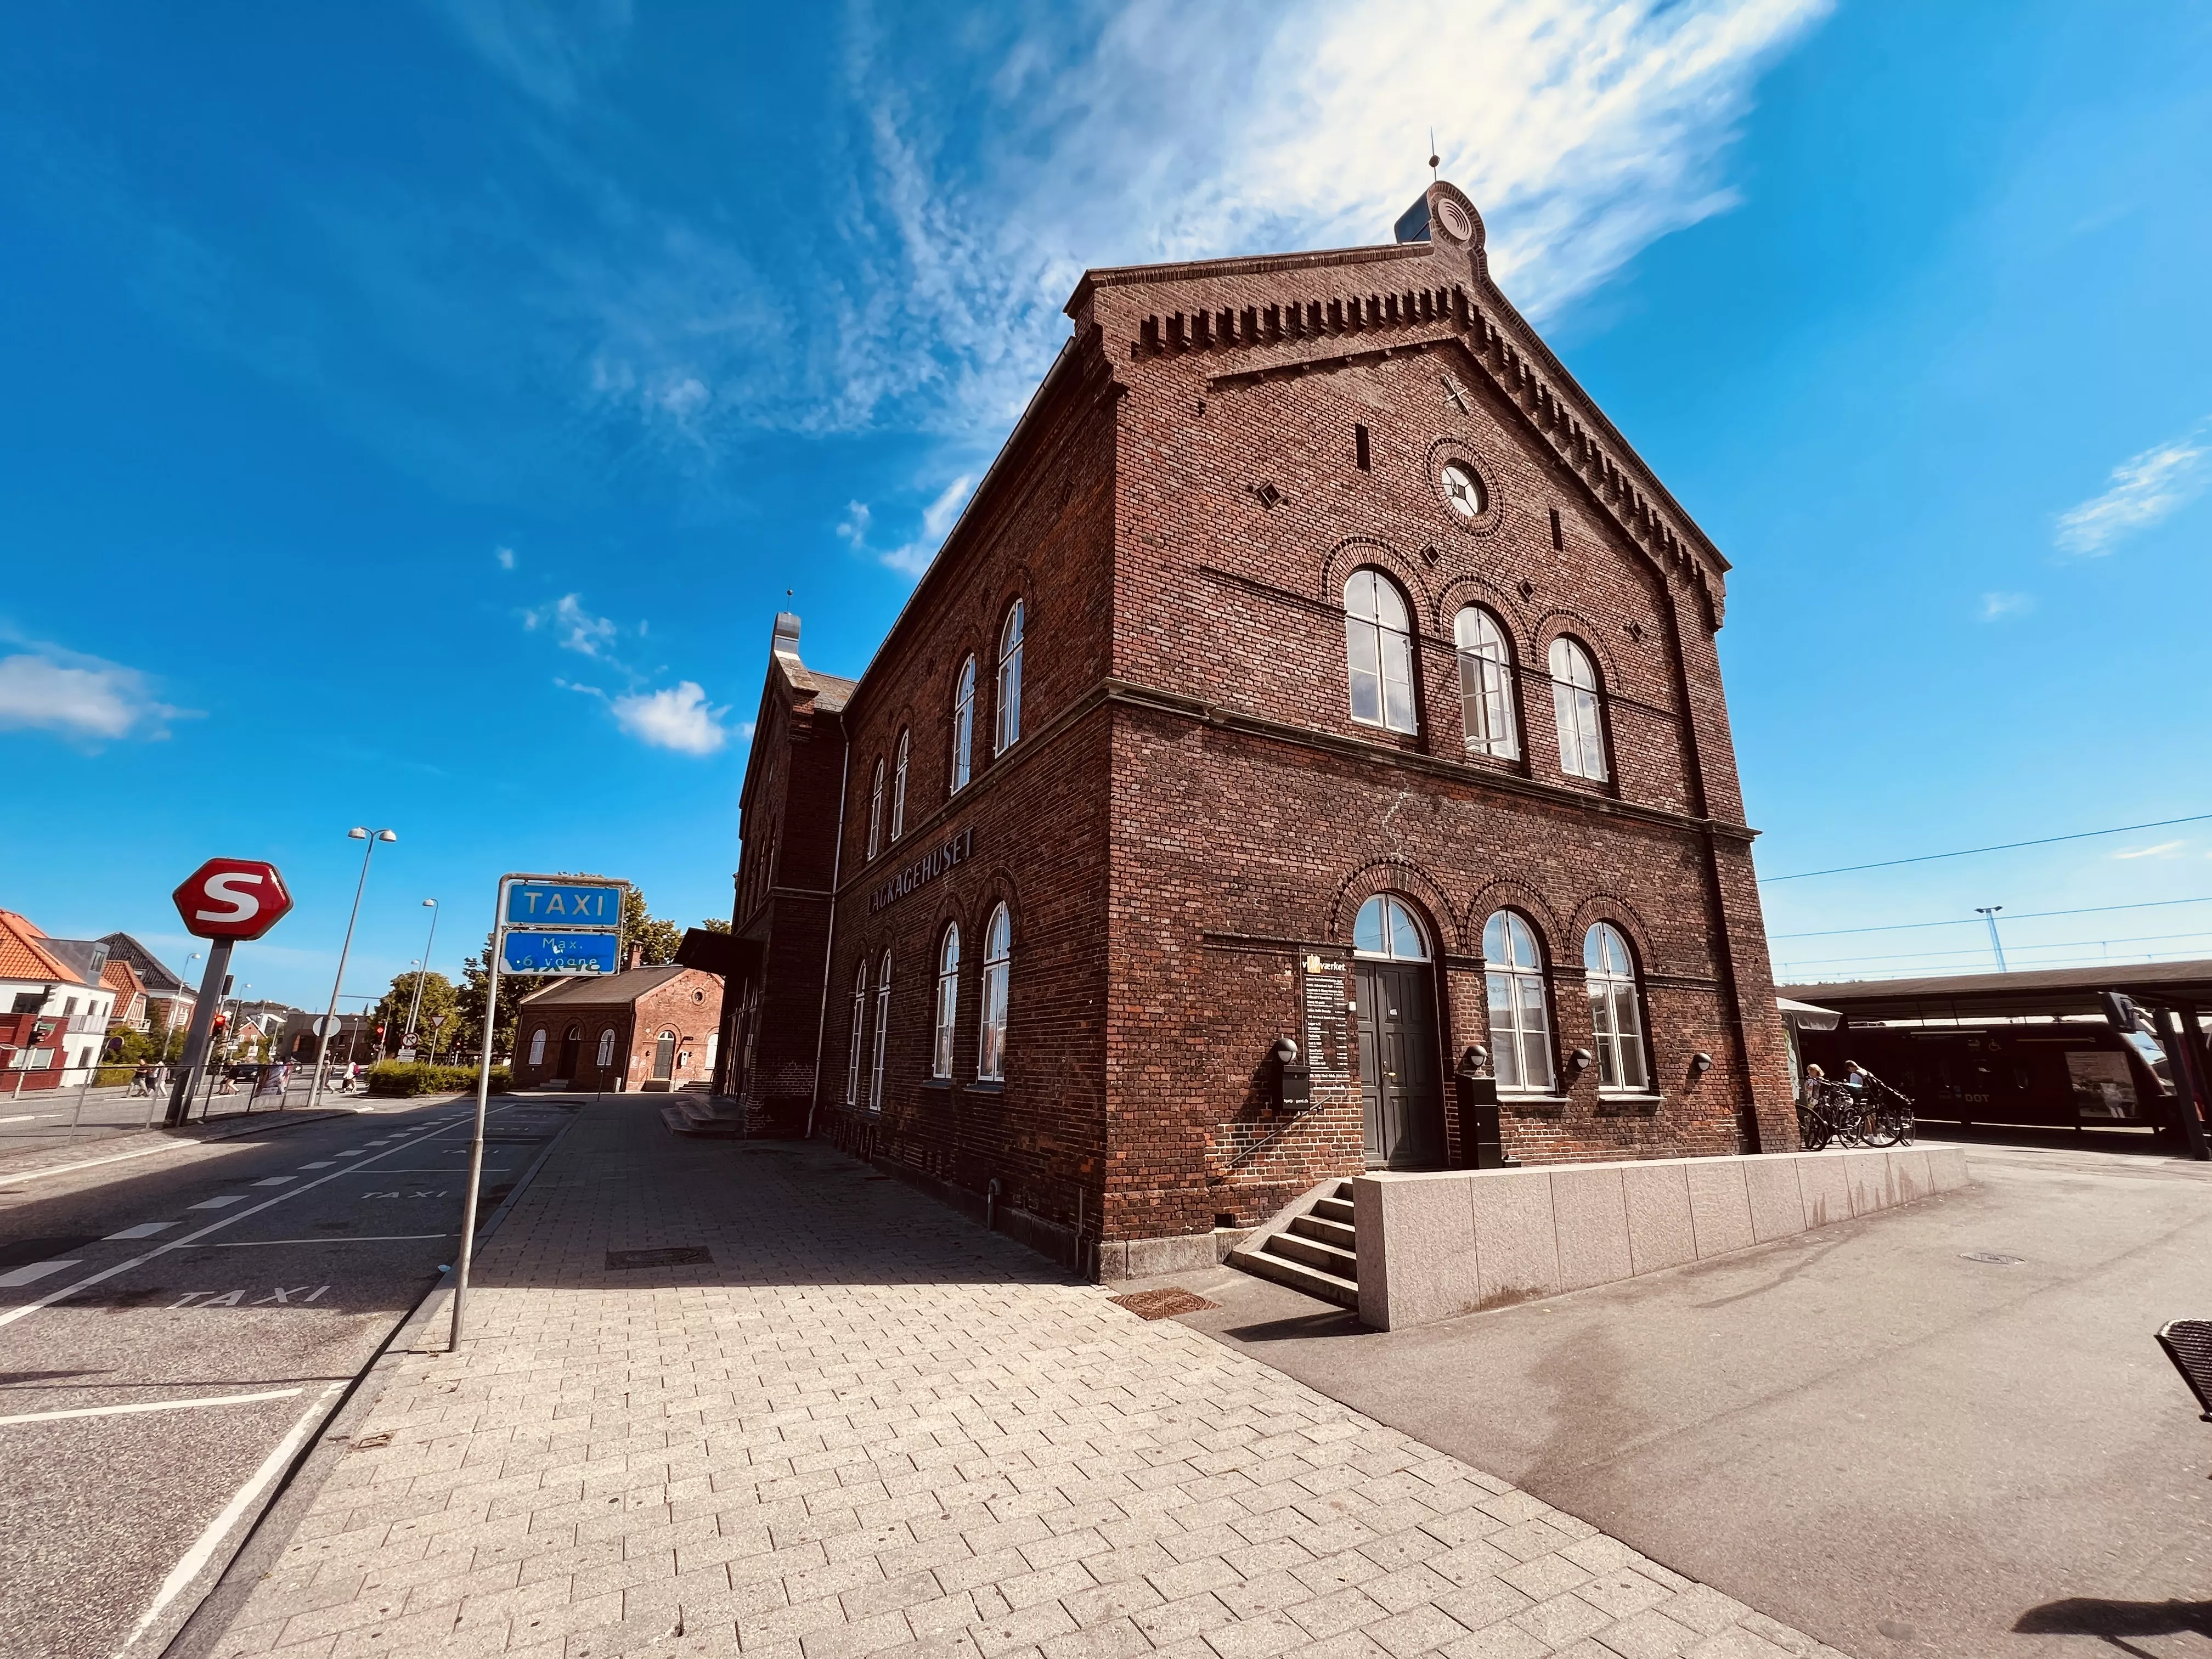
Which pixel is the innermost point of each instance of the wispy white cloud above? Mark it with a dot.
(504, 557)
(552, 53)
(2164, 849)
(910, 557)
(678, 717)
(578, 629)
(49, 688)
(2146, 489)
(1997, 606)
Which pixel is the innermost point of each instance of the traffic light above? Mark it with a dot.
(221, 1021)
(2121, 1012)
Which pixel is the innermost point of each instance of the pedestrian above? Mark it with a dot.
(1856, 1078)
(1814, 1077)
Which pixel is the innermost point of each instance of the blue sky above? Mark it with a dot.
(418, 413)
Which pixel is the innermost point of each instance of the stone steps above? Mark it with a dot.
(1316, 1253)
(704, 1114)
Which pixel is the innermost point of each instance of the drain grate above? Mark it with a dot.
(2188, 1344)
(1161, 1303)
(678, 1255)
(1992, 1256)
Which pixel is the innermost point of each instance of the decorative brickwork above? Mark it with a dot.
(1192, 816)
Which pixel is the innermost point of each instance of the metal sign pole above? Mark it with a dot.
(483, 1096)
(196, 1038)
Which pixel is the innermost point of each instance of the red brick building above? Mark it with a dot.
(644, 1028)
(1315, 662)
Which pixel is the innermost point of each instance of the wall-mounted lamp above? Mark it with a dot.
(1475, 1062)
(1293, 1082)
(1700, 1064)
(1578, 1062)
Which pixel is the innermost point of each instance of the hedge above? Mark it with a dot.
(392, 1077)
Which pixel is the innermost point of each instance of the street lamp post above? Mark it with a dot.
(323, 1049)
(1989, 914)
(407, 1042)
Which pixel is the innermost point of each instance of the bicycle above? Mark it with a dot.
(1832, 1111)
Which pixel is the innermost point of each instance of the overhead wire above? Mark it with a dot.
(1969, 852)
(1975, 921)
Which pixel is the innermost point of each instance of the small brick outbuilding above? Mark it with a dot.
(644, 1028)
(1316, 669)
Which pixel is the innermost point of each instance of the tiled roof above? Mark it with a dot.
(152, 970)
(23, 954)
(600, 989)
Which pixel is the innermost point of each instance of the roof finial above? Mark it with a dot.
(1432, 155)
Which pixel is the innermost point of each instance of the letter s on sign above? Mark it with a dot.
(244, 907)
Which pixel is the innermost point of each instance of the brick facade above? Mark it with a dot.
(637, 1006)
(1186, 828)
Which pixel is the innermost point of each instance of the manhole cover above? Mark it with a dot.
(2001, 1259)
(679, 1255)
(1161, 1303)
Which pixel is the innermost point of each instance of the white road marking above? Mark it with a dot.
(342, 1238)
(324, 1164)
(29, 1117)
(348, 1154)
(198, 1555)
(276, 1181)
(218, 1203)
(27, 1308)
(152, 1406)
(35, 1272)
(144, 1230)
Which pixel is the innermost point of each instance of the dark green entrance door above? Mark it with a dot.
(1398, 1080)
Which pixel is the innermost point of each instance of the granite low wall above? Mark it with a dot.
(1434, 1246)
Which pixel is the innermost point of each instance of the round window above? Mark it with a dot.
(1464, 489)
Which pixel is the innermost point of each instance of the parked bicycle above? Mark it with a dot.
(1874, 1114)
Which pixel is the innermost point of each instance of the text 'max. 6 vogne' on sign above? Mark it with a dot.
(231, 898)
(564, 904)
(544, 951)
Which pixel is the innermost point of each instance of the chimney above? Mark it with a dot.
(636, 957)
(784, 642)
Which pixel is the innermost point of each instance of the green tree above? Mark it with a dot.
(464, 1034)
(715, 924)
(439, 996)
(656, 936)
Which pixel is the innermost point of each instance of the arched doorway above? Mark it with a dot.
(572, 1041)
(664, 1058)
(1404, 1114)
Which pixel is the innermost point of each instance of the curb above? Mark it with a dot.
(263, 1544)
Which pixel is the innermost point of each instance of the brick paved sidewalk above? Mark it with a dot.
(868, 1427)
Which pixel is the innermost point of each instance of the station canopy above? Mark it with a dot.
(2032, 993)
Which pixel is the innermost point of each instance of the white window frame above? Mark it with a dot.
(1616, 1011)
(1579, 703)
(899, 786)
(883, 1031)
(1520, 1003)
(1395, 928)
(964, 726)
(859, 1034)
(1007, 724)
(538, 1047)
(1485, 684)
(607, 1056)
(876, 809)
(1378, 628)
(997, 984)
(948, 1001)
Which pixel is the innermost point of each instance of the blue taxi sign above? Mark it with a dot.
(544, 951)
(569, 905)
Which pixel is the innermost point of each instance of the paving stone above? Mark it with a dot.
(872, 1429)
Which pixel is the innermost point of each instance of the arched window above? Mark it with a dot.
(898, 789)
(1009, 680)
(1485, 685)
(1520, 1013)
(1575, 701)
(606, 1047)
(538, 1047)
(876, 809)
(859, 1033)
(964, 726)
(883, 1031)
(997, 962)
(1379, 643)
(1385, 928)
(1616, 1010)
(948, 1002)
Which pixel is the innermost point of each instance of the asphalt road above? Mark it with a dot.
(1864, 1432)
(236, 1287)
